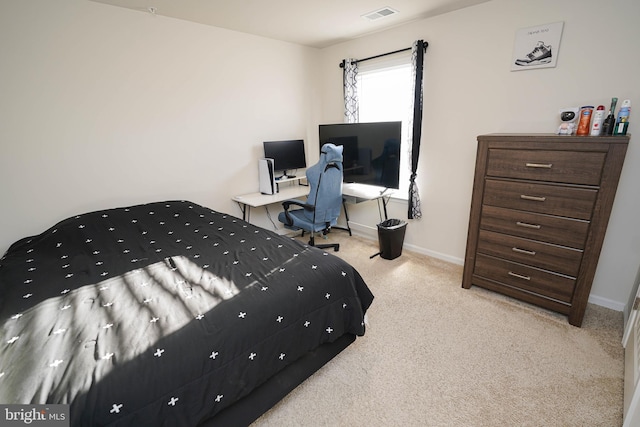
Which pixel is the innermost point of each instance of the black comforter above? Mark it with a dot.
(164, 313)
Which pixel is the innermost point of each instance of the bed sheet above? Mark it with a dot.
(164, 313)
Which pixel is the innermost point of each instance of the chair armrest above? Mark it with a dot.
(287, 203)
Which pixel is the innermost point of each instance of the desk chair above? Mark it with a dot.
(321, 210)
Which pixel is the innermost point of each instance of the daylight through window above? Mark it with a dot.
(385, 94)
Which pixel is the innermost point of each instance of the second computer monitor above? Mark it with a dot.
(287, 155)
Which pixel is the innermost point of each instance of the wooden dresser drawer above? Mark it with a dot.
(547, 228)
(550, 199)
(574, 167)
(555, 258)
(521, 276)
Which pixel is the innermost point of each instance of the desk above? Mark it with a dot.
(255, 200)
(351, 193)
(357, 193)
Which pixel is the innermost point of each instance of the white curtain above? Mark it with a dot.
(350, 73)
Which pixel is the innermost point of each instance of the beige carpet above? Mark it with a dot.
(438, 355)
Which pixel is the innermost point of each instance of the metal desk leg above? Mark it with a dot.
(246, 211)
(384, 206)
(346, 215)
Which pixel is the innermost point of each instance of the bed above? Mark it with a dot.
(169, 314)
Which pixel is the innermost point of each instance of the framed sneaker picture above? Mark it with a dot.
(537, 47)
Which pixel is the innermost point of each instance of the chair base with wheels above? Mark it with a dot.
(335, 246)
(291, 217)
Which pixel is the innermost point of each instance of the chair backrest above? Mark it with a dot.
(325, 182)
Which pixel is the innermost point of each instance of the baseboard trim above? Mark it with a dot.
(364, 231)
(606, 303)
(436, 255)
(372, 234)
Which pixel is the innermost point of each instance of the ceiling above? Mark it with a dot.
(315, 23)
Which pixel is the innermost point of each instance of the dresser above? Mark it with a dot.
(539, 213)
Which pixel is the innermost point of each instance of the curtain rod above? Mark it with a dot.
(341, 65)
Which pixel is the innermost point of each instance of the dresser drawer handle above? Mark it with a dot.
(539, 165)
(523, 251)
(534, 198)
(519, 276)
(527, 225)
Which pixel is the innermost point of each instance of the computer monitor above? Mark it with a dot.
(287, 155)
(371, 151)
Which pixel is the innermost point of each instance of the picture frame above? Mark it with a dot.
(537, 47)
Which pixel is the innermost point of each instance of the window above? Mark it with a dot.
(385, 94)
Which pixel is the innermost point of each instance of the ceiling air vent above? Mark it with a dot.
(379, 14)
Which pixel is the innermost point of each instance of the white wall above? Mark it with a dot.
(470, 90)
(102, 106)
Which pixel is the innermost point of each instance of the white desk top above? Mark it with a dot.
(258, 199)
(362, 191)
(353, 193)
(301, 175)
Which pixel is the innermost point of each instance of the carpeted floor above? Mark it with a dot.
(438, 355)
